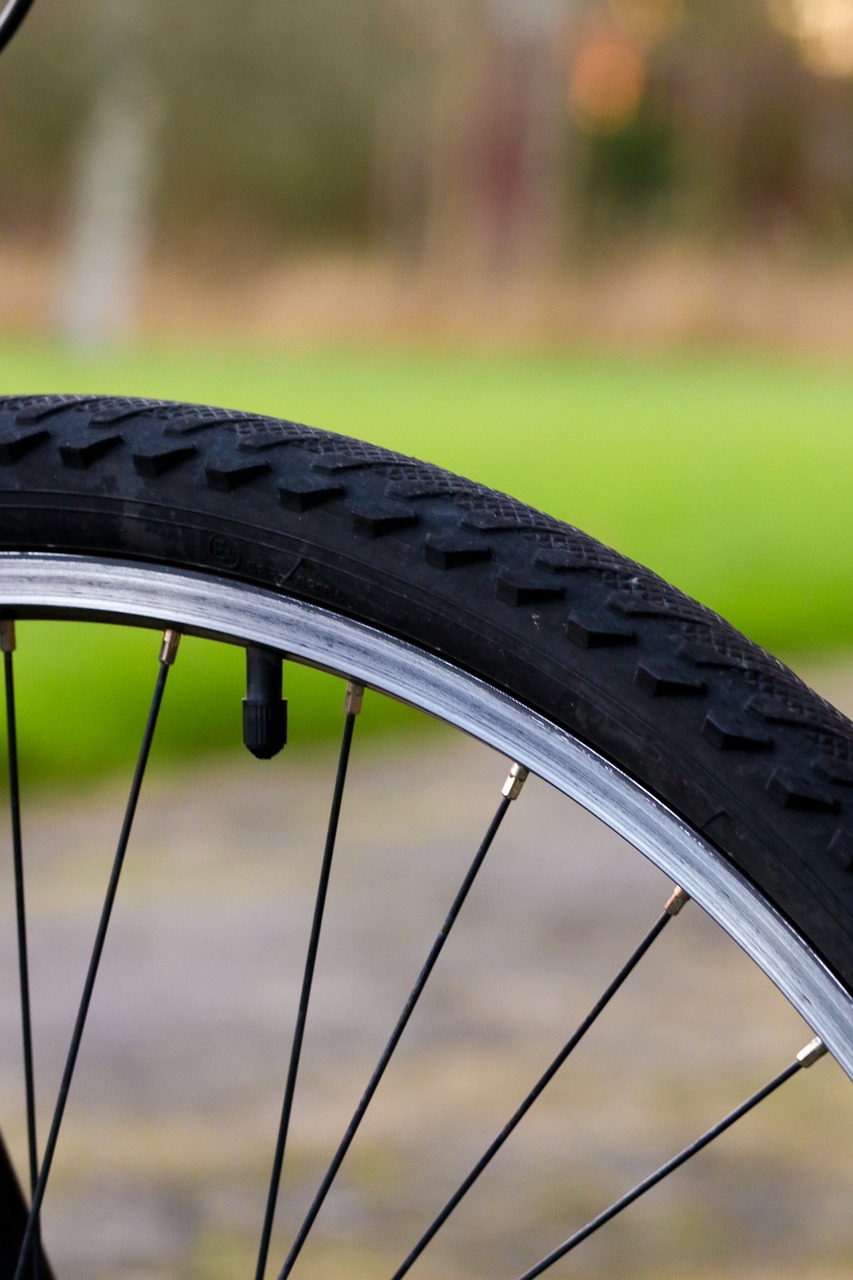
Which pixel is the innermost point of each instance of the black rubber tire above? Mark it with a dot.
(711, 724)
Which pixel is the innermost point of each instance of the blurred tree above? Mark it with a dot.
(112, 187)
(481, 134)
(490, 135)
(44, 94)
(269, 114)
(621, 100)
(740, 95)
(272, 116)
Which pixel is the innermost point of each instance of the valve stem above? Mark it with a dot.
(264, 709)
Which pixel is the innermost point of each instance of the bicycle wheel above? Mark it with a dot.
(702, 750)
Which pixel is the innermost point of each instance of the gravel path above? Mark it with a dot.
(168, 1137)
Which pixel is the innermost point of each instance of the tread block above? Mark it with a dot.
(18, 441)
(190, 426)
(592, 628)
(798, 709)
(664, 679)
(567, 549)
(835, 770)
(78, 457)
(341, 454)
(507, 519)
(426, 482)
(518, 589)
(840, 848)
(177, 411)
(378, 519)
(309, 492)
(708, 655)
(122, 409)
(648, 597)
(44, 407)
(186, 420)
(254, 435)
(577, 558)
(160, 458)
(226, 479)
(453, 551)
(792, 791)
(17, 404)
(731, 732)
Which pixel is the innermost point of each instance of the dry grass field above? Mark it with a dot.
(664, 297)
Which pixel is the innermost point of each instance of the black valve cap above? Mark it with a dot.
(264, 709)
(264, 727)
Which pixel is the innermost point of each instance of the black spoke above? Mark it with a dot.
(673, 906)
(804, 1058)
(7, 645)
(167, 657)
(352, 708)
(511, 790)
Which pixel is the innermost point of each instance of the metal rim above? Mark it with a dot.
(37, 584)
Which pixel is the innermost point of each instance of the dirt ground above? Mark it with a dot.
(163, 1160)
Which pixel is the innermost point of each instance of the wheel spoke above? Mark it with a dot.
(352, 707)
(511, 790)
(167, 656)
(7, 646)
(810, 1054)
(672, 908)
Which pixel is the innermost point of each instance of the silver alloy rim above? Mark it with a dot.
(36, 584)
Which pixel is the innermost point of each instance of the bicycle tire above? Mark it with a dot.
(754, 766)
(710, 723)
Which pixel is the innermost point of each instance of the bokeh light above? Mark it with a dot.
(823, 29)
(606, 79)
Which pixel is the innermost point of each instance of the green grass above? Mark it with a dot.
(729, 475)
(82, 695)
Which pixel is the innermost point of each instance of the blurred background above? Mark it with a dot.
(656, 171)
(595, 252)
(598, 253)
